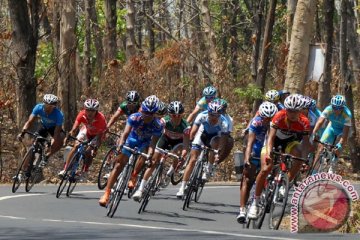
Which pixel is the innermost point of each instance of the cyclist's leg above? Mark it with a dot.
(57, 141)
(247, 182)
(91, 152)
(177, 149)
(264, 171)
(293, 148)
(328, 136)
(227, 149)
(82, 137)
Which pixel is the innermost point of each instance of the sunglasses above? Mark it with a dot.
(90, 110)
(51, 104)
(175, 115)
(214, 115)
(132, 103)
(209, 98)
(337, 107)
(292, 111)
(147, 114)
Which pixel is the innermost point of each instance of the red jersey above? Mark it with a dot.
(280, 122)
(96, 126)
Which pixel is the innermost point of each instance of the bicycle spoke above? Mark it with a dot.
(106, 168)
(279, 202)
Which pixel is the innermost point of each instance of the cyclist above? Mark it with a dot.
(51, 119)
(129, 106)
(284, 129)
(142, 130)
(175, 138)
(283, 95)
(339, 117)
(208, 94)
(207, 126)
(259, 126)
(93, 127)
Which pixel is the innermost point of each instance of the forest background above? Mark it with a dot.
(78, 49)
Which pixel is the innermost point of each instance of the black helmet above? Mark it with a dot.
(132, 96)
(175, 107)
(162, 108)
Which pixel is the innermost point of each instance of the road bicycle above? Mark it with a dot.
(195, 185)
(35, 157)
(75, 169)
(156, 179)
(119, 187)
(327, 159)
(107, 164)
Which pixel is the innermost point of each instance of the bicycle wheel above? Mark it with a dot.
(35, 173)
(138, 181)
(16, 183)
(118, 193)
(264, 205)
(69, 172)
(106, 167)
(200, 183)
(191, 185)
(279, 202)
(72, 184)
(177, 176)
(150, 189)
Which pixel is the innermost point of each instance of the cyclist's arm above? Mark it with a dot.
(193, 131)
(114, 118)
(270, 141)
(318, 124)
(57, 132)
(344, 135)
(249, 146)
(29, 122)
(125, 134)
(185, 145)
(74, 128)
(154, 140)
(192, 115)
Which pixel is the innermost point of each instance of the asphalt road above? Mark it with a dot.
(40, 215)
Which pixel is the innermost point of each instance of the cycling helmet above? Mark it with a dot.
(175, 107)
(284, 92)
(272, 96)
(132, 96)
(50, 99)
(293, 102)
(313, 104)
(91, 104)
(150, 104)
(162, 110)
(209, 91)
(215, 107)
(338, 101)
(306, 102)
(224, 103)
(267, 109)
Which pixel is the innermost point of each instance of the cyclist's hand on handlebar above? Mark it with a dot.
(20, 136)
(119, 148)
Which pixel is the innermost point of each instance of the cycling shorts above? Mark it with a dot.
(44, 132)
(167, 143)
(287, 145)
(202, 138)
(132, 143)
(330, 134)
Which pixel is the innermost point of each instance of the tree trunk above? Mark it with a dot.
(324, 84)
(150, 26)
(265, 51)
(23, 54)
(130, 29)
(97, 36)
(67, 83)
(56, 12)
(180, 19)
(110, 47)
(234, 39)
(86, 79)
(353, 41)
(346, 88)
(299, 45)
(256, 38)
(291, 8)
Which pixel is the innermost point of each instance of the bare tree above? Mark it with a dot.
(130, 29)
(97, 36)
(256, 37)
(148, 8)
(291, 8)
(87, 68)
(110, 47)
(299, 45)
(67, 83)
(25, 24)
(324, 84)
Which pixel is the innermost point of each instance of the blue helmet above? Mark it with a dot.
(313, 104)
(209, 91)
(215, 107)
(162, 109)
(150, 104)
(338, 101)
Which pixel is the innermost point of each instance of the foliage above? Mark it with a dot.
(44, 58)
(250, 93)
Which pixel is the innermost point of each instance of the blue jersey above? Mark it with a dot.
(143, 131)
(337, 121)
(220, 127)
(280, 106)
(259, 128)
(55, 118)
(313, 117)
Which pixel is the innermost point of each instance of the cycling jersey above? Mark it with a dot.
(220, 127)
(123, 108)
(280, 106)
(228, 119)
(175, 132)
(203, 104)
(313, 117)
(142, 131)
(283, 125)
(55, 118)
(259, 128)
(96, 126)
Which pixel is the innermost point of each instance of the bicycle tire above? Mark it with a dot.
(138, 181)
(176, 177)
(150, 189)
(200, 183)
(16, 183)
(275, 220)
(65, 179)
(119, 190)
(191, 185)
(33, 179)
(71, 187)
(264, 205)
(106, 167)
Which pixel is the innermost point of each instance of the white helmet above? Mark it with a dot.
(50, 99)
(267, 109)
(209, 91)
(150, 104)
(272, 96)
(91, 104)
(132, 96)
(293, 102)
(338, 101)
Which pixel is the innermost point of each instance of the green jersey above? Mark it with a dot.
(175, 132)
(123, 108)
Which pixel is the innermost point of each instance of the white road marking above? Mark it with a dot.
(21, 195)
(158, 228)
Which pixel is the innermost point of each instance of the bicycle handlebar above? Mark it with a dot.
(38, 137)
(325, 144)
(203, 147)
(113, 133)
(136, 151)
(288, 156)
(167, 153)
